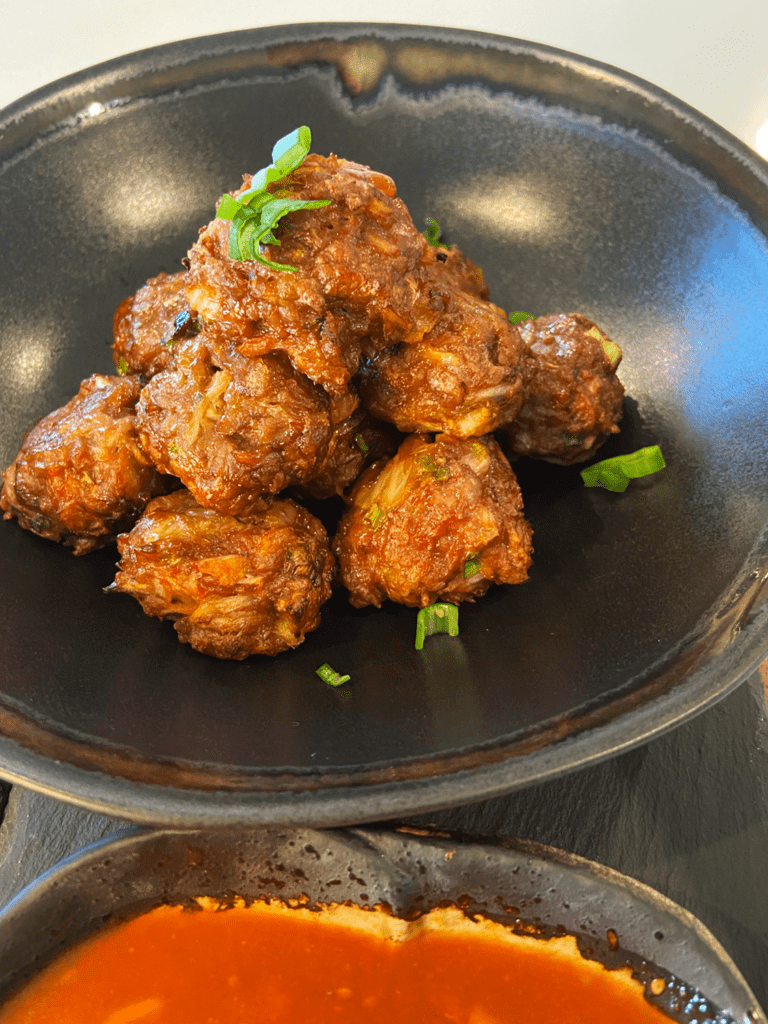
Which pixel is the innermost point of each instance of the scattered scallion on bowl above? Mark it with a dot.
(614, 474)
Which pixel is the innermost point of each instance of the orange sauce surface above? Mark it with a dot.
(267, 962)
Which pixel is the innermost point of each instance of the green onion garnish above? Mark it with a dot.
(362, 444)
(569, 439)
(122, 365)
(255, 213)
(434, 232)
(518, 317)
(472, 565)
(374, 516)
(331, 676)
(436, 618)
(614, 474)
(612, 351)
(428, 465)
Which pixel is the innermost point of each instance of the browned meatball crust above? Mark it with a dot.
(233, 587)
(81, 475)
(235, 430)
(463, 378)
(148, 324)
(264, 310)
(440, 521)
(573, 397)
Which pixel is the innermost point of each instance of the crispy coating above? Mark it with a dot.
(440, 521)
(573, 397)
(148, 324)
(233, 587)
(235, 430)
(81, 475)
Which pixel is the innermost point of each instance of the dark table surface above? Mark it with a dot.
(686, 814)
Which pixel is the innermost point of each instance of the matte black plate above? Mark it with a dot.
(576, 187)
(523, 885)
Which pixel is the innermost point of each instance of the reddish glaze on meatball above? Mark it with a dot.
(573, 397)
(235, 430)
(81, 475)
(232, 587)
(440, 521)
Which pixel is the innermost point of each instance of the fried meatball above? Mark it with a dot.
(463, 378)
(81, 475)
(264, 310)
(573, 397)
(235, 430)
(440, 521)
(148, 324)
(368, 256)
(233, 587)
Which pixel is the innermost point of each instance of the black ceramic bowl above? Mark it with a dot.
(576, 187)
(615, 919)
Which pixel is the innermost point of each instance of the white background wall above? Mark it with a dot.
(712, 55)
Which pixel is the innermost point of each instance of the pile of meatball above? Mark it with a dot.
(377, 371)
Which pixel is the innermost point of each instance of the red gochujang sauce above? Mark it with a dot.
(268, 962)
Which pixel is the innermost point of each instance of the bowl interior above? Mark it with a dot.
(575, 188)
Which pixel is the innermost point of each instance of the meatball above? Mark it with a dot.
(235, 430)
(264, 310)
(233, 587)
(368, 256)
(573, 397)
(440, 521)
(148, 324)
(463, 378)
(81, 475)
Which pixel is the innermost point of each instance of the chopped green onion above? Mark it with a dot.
(434, 232)
(614, 474)
(472, 565)
(519, 317)
(374, 516)
(612, 351)
(362, 444)
(256, 212)
(436, 618)
(570, 439)
(428, 464)
(331, 676)
(122, 365)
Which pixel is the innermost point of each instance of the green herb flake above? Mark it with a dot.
(374, 516)
(429, 465)
(255, 213)
(436, 618)
(122, 366)
(614, 474)
(331, 676)
(569, 439)
(362, 444)
(519, 317)
(472, 565)
(173, 450)
(434, 232)
(612, 351)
